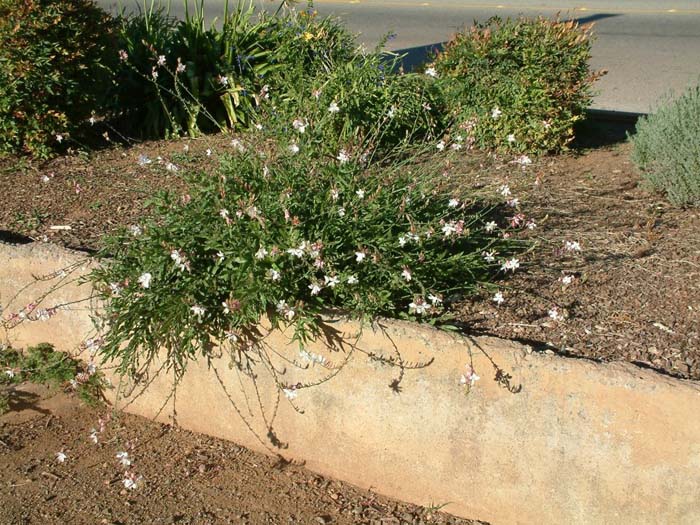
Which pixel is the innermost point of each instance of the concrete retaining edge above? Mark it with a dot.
(560, 441)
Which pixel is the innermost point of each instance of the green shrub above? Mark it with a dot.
(363, 98)
(291, 226)
(53, 70)
(666, 148)
(518, 85)
(42, 364)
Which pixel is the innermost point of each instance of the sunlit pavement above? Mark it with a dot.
(648, 48)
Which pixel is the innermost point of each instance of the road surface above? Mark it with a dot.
(648, 48)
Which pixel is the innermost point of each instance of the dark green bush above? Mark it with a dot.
(182, 77)
(225, 73)
(527, 79)
(666, 148)
(54, 68)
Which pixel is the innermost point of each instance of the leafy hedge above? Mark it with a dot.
(55, 65)
(518, 85)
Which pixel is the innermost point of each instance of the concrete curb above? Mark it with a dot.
(538, 439)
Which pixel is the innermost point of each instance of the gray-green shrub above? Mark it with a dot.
(666, 148)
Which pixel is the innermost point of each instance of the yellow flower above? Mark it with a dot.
(307, 36)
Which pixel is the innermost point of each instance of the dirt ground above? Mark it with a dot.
(181, 477)
(631, 293)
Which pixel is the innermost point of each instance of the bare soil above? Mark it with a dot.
(183, 477)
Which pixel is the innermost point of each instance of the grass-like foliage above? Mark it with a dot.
(180, 76)
(53, 70)
(292, 226)
(518, 85)
(44, 365)
(666, 148)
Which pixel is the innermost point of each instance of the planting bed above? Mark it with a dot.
(633, 293)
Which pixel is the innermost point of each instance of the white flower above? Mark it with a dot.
(220, 256)
(45, 178)
(331, 281)
(59, 138)
(406, 274)
(360, 194)
(131, 481)
(470, 377)
(93, 436)
(135, 230)
(449, 228)
(511, 264)
(513, 203)
(284, 309)
(511, 138)
(440, 145)
(123, 458)
(293, 148)
(296, 252)
(418, 307)
(179, 259)
(261, 253)
(198, 311)
(352, 279)
(315, 288)
(299, 125)
(224, 214)
(273, 275)
(91, 369)
(341, 212)
(161, 60)
(10, 373)
(259, 127)
(223, 80)
(554, 314)
(391, 112)
(333, 108)
(61, 457)
(453, 203)
(572, 246)
(92, 121)
(498, 298)
(431, 72)
(402, 241)
(145, 280)
(237, 145)
(456, 146)
(335, 194)
(504, 190)
(180, 66)
(186, 148)
(154, 74)
(567, 279)
(143, 160)
(169, 166)
(123, 55)
(360, 256)
(531, 224)
(496, 113)
(290, 393)
(523, 160)
(490, 226)
(434, 299)
(208, 152)
(343, 156)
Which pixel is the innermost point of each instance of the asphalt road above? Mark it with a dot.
(649, 48)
